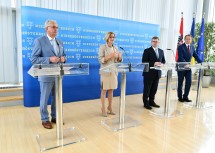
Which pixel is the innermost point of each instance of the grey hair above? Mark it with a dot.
(47, 23)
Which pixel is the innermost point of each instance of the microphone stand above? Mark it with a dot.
(61, 68)
(176, 68)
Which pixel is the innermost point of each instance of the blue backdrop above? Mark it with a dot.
(82, 35)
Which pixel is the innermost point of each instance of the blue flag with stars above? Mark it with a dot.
(200, 47)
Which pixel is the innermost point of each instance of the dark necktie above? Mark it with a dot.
(188, 48)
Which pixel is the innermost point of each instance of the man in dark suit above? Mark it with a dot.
(155, 57)
(48, 50)
(185, 52)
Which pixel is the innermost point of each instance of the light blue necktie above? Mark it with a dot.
(156, 51)
(53, 42)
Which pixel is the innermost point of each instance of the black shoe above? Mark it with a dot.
(53, 120)
(181, 100)
(154, 105)
(147, 107)
(187, 100)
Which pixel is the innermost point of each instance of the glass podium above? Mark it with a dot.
(166, 111)
(61, 136)
(200, 67)
(123, 121)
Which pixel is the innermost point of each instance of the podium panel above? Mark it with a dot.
(122, 122)
(61, 136)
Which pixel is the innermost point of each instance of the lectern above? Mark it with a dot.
(167, 111)
(122, 121)
(61, 136)
(200, 68)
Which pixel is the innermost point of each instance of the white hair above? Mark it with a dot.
(48, 22)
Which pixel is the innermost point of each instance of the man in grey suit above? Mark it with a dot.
(48, 50)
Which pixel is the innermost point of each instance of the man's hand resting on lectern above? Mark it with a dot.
(158, 64)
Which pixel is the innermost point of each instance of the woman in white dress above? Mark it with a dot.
(108, 55)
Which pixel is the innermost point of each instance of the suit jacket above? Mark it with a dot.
(42, 51)
(150, 57)
(185, 56)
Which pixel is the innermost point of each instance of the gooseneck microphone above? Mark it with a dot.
(171, 51)
(129, 63)
(176, 67)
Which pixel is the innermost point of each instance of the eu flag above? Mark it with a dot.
(200, 47)
(192, 33)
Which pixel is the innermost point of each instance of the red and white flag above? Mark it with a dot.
(180, 37)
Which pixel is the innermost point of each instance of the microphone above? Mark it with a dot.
(129, 63)
(80, 65)
(40, 66)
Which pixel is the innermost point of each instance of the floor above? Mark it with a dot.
(192, 132)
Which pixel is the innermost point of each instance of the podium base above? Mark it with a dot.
(160, 112)
(49, 141)
(201, 105)
(115, 125)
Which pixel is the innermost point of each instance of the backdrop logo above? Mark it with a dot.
(98, 37)
(78, 29)
(78, 56)
(78, 43)
(30, 40)
(29, 25)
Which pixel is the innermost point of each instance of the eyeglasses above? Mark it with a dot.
(155, 41)
(53, 27)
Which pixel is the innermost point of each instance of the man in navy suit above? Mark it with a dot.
(48, 50)
(155, 57)
(185, 52)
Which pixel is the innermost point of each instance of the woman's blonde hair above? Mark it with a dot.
(107, 36)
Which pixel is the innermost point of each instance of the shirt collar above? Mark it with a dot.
(108, 46)
(155, 48)
(50, 38)
(187, 44)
